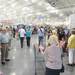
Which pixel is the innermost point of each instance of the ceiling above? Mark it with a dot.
(23, 10)
(61, 4)
(66, 6)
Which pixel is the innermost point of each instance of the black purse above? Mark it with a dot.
(62, 69)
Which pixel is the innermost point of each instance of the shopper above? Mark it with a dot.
(53, 37)
(14, 32)
(71, 47)
(62, 43)
(61, 34)
(28, 36)
(53, 56)
(41, 35)
(49, 33)
(9, 33)
(0, 36)
(21, 33)
(4, 46)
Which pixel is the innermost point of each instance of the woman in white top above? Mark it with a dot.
(21, 36)
(53, 56)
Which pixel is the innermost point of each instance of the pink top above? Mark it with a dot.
(53, 57)
(62, 44)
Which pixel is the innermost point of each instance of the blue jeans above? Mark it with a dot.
(40, 40)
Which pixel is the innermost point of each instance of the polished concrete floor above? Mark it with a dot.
(23, 61)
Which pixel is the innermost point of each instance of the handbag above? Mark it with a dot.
(62, 69)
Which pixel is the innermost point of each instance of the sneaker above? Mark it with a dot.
(3, 63)
(7, 59)
(70, 64)
(73, 64)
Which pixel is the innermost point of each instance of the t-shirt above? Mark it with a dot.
(71, 41)
(22, 32)
(4, 38)
(41, 32)
(28, 33)
(66, 31)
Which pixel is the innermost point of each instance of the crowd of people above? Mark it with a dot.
(58, 41)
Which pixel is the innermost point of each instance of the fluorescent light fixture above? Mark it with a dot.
(33, 1)
(13, 57)
(13, 73)
(14, 4)
(50, 8)
(40, 3)
(38, 13)
(61, 14)
(54, 11)
(25, 8)
(26, 0)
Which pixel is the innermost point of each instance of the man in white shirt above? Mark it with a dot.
(21, 36)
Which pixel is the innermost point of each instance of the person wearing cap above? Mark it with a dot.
(4, 46)
(71, 48)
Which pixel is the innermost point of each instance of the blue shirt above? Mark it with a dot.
(28, 33)
(4, 38)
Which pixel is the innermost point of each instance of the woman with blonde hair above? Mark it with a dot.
(53, 55)
(53, 37)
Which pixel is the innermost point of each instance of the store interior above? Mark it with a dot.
(50, 14)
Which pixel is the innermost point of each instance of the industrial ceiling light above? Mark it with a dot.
(61, 14)
(52, 2)
(33, 1)
(50, 8)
